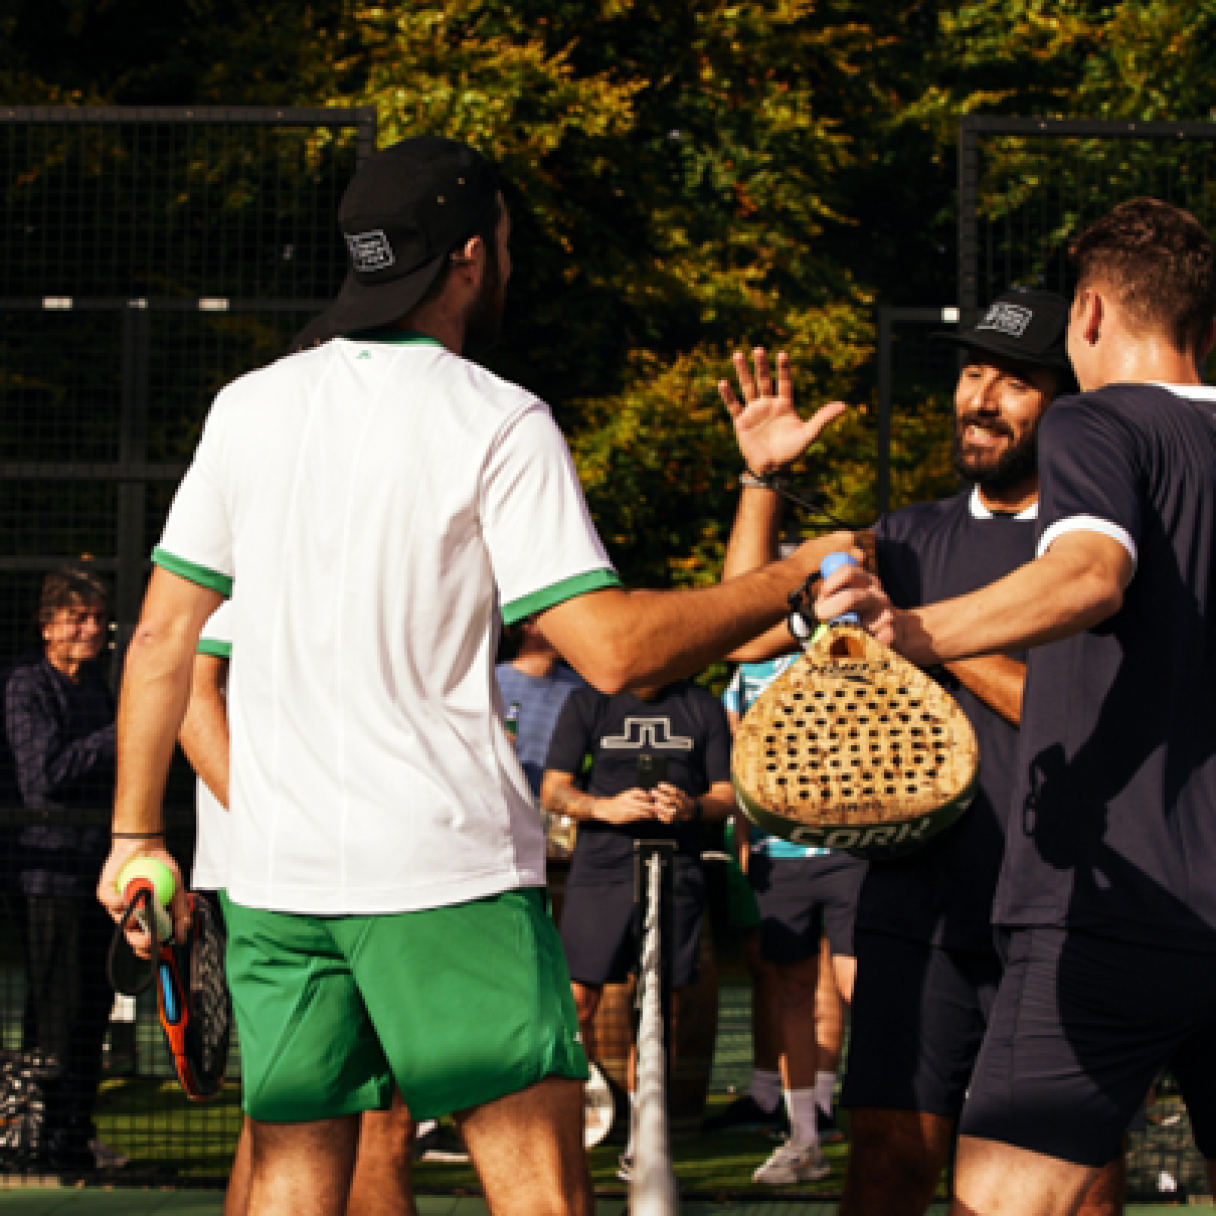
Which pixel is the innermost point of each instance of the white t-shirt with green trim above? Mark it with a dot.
(210, 870)
(378, 502)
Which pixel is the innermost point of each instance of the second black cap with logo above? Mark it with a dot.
(1024, 324)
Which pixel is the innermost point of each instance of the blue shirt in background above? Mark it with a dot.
(750, 680)
(540, 702)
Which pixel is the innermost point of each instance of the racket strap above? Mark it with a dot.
(803, 624)
(140, 897)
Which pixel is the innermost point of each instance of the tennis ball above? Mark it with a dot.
(156, 872)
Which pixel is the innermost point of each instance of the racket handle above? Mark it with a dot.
(829, 565)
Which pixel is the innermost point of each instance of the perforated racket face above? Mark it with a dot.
(854, 748)
(209, 1026)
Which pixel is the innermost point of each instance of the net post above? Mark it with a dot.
(968, 223)
(653, 1190)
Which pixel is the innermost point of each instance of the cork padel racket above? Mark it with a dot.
(191, 987)
(854, 748)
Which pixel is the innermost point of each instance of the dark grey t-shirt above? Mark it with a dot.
(1113, 827)
(684, 724)
(942, 894)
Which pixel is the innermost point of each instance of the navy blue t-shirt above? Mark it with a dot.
(942, 894)
(684, 724)
(1113, 827)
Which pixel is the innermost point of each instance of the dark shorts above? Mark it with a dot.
(1081, 1027)
(803, 898)
(600, 937)
(918, 1019)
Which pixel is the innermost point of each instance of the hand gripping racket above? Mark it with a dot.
(191, 989)
(853, 748)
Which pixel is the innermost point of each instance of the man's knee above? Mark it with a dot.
(586, 999)
(898, 1151)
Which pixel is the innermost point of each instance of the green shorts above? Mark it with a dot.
(742, 910)
(457, 1005)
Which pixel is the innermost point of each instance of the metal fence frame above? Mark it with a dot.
(130, 563)
(970, 129)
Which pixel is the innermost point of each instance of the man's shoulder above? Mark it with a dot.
(922, 517)
(30, 674)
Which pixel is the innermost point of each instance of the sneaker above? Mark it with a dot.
(793, 1163)
(441, 1144)
(624, 1168)
(829, 1129)
(746, 1115)
(107, 1158)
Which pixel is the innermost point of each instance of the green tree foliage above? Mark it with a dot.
(684, 179)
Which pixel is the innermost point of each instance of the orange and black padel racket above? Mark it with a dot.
(853, 747)
(191, 987)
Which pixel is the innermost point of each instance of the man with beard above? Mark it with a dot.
(383, 502)
(927, 967)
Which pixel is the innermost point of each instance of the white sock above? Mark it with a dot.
(766, 1089)
(825, 1088)
(633, 1119)
(800, 1103)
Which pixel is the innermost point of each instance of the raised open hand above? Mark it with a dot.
(770, 432)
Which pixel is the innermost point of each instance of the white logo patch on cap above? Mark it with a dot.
(370, 251)
(1008, 319)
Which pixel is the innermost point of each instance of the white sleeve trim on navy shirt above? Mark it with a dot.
(1089, 523)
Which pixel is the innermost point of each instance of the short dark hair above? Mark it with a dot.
(1159, 263)
(487, 229)
(69, 589)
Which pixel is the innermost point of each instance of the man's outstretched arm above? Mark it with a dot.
(155, 690)
(1075, 585)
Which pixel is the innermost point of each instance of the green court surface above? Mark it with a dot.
(88, 1202)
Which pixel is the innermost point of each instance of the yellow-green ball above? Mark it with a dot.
(156, 872)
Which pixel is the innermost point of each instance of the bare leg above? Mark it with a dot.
(303, 1169)
(381, 1185)
(528, 1151)
(236, 1199)
(895, 1162)
(586, 1001)
(845, 966)
(829, 1014)
(797, 984)
(994, 1179)
(1105, 1195)
(766, 1015)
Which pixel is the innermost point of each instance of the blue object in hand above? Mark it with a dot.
(830, 565)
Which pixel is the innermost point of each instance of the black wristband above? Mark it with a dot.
(135, 835)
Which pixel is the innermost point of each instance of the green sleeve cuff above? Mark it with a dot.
(193, 573)
(558, 593)
(221, 650)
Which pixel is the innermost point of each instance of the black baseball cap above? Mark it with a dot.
(1023, 324)
(406, 209)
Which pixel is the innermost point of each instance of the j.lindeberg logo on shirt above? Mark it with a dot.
(1008, 319)
(648, 732)
(370, 251)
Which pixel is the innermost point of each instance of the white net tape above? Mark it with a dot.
(653, 1190)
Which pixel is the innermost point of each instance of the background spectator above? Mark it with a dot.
(684, 728)
(59, 720)
(540, 682)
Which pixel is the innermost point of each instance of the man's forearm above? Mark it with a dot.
(1073, 587)
(718, 805)
(754, 538)
(570, 801)
(155, 691)
(997, 680)
(620, 639)
(156, 687)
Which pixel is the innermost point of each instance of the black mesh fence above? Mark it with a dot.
(146, 259)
